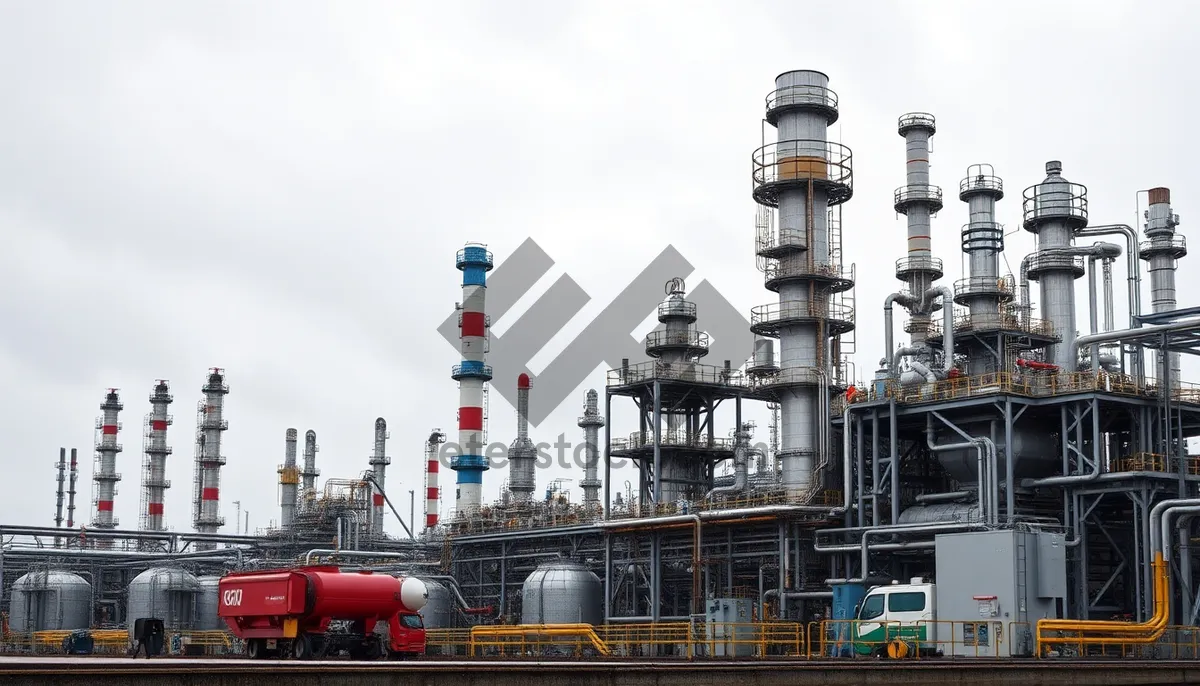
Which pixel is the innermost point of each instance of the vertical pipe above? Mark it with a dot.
(379, 462)
(522, 453)
(289, 478)
(105, 477)
(861, 467)
(211, 424)
(590, 422)
(71, 488)
(608, 456)
(1009, 468)
(893, 447)
(61, 489)
(875, 467)
(657, 410)
(475, 261)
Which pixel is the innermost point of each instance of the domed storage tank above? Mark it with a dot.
(164, 593)
(562, 592)
(51, 600)
(206, 604)
(438, 612)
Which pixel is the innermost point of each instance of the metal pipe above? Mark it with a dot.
(370, 554)
(1073, 479)
(1137, 334)
(942, 497)
(1133, 278)
(947, 323)
(740, 465)
(942, 527)
(920, 368)
(905, 301)
(985, 449)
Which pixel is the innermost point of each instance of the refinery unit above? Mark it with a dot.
(1021, 467)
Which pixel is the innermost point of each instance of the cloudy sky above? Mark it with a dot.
(279, 188)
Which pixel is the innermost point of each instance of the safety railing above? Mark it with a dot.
(825, 164)
(907, 265)
(657, 370)
(1175, 643)
(980, 179)
(663, 338)
(672, 439)
(801, 266)
(779, 313)
(1156, 462)
(980, 285)
(1056, 200)
(1006, 319)
(117, 641)
(919, 192)
(791, 96)
(1174, 244)
(1048, 259)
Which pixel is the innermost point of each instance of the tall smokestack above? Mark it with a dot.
(154, 469)
(62, 477)
(590, 422)
(471, 374)
(522, 454)
(289, 478)
(308, 477)
(1162, 249)
(379, 463)
(432, 495)
(210, 425)
(71, 488)
(918, 201)
(105, 476)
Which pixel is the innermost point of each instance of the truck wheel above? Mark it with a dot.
(302, 647)
(254, 648)
(374, 649)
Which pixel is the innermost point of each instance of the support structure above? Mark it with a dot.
(210, 425)
(105, 476)
(379, 463)
(432, 492)
(522, 454)
(802, 176)
(1162, 250)
(154, 469)
(289, 479)
(469, 461)
(590, 422)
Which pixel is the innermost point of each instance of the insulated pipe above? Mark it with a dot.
(947, 323)
(1134, 275)
(1136, 334)
(740, 465)
(942, 527)
(920, 368)
(326, 552)
(1076, 478)
(889, 352)
(985, 449)
(904, 352)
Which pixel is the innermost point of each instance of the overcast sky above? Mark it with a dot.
(279, 188)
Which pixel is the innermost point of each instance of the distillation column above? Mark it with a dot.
(308, 477)
(432, 493)
(154, 479)
(1162, 248)
(522, 454)
(289, 478)
(71, 488)
(105, 476)
(210, 425)
(918, 201)
(1054, 210)
(590, 422)
(802, 175)
(474, 261)
(379, 462)
(983, 290)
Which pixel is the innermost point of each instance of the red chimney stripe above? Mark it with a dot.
(431, 520)
(104, 506)
(472, 324)
(210, 494)
(432, 467)
(470, 418)
(378, 499)
(158, 424)
(155, 509)
(431, 493)
(108, 429)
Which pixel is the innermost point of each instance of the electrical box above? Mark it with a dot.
(730, 627)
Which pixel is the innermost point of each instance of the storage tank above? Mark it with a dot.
(206, 604)
(164, 593)
(562, 592)
(50, 600)
(438, 612)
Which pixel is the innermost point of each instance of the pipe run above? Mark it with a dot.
(741, 466)
(947, 323)
(864, 546)
(985, 468)
(329, 552)
(906, 301)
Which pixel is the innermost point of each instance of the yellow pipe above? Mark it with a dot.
(1125, 633)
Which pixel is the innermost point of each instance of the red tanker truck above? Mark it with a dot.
(292, 612)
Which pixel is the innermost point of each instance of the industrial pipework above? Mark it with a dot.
(308, 477)
(289, 479)
(71, 487)
(1162, 248)
(474, 261)
(522, 454)
(154, 474)
(210, 424)
(1055, 210)
(105, 476)
(432, 494)
(918, 201)
(803, 175)
(983, 291)
(379, 462)
(590, 422)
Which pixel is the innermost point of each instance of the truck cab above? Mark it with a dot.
(895, 613)
(409, 638)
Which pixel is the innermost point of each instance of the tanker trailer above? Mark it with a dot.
(311, 612)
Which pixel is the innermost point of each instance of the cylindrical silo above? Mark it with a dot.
(164, 593)
(51, 600)
(562, 592)
(438, 612)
